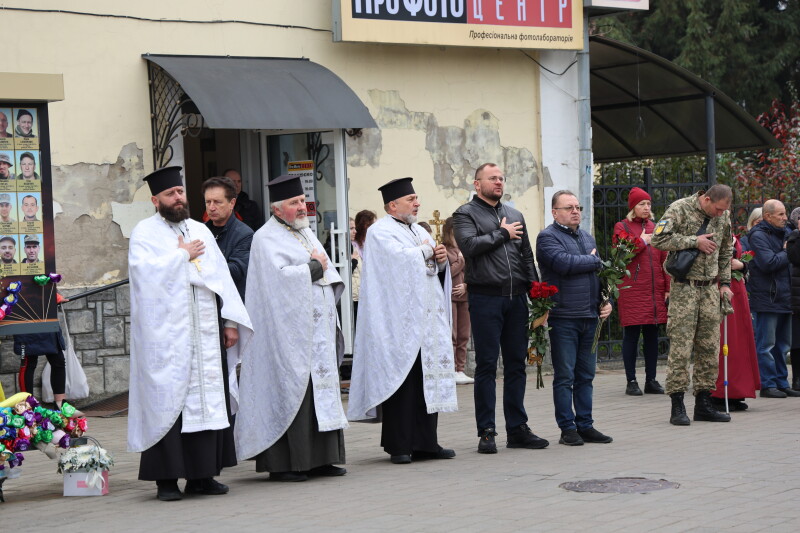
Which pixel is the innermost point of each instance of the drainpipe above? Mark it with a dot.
(711, 142)
(585, 131)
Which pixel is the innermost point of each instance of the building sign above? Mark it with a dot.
(305, 169)
(550, 24)
(27, 245)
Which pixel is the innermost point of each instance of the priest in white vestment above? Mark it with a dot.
(403, 354)
(291, 416)
(186, 321)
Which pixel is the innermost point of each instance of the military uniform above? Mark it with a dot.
(694, 305)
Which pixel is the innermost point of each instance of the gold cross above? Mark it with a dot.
(438, 222)
(196, 262)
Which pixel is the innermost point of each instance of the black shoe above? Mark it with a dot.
(401, 459)
(704, 410)
(772, 392)
(632, 389)
(443, 453)
(796, 383)
(327, 471)
(592, 435)
(653, 387)
(678, 414)
(570, 437)
(287, 476)
(205, 487)
(790, 392)
(168, 491)
(486, 444)
(734, 404)
(523, 437)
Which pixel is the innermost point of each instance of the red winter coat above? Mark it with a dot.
(643, 301)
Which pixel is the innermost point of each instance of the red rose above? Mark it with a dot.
(536, 290)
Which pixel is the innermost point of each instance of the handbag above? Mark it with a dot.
(679, 263)
(77, 387)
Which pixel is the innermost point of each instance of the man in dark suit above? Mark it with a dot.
(233, 236)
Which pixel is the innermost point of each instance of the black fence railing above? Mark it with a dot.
(610, 198)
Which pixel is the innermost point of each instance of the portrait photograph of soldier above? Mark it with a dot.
(26, 129)
(28, 178)
(30, 220)
(32, 261)
(9, 260)
(7, 176)
(6, 135)
(8, 213)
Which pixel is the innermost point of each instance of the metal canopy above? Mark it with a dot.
(266, 93)
(646, 106)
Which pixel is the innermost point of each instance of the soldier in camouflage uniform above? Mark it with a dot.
(694, 302)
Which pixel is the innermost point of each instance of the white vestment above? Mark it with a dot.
(402, 310)
(294, 340)
(176, 360)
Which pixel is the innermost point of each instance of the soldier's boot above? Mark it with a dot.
(678, 416)
(704, 410)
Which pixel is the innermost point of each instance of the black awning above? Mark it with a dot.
(261, 93)
(646, 106)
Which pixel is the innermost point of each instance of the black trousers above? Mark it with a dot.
(407, 426)
(58, 372)
(630, 349)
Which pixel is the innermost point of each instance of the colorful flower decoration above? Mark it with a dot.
(25, 424)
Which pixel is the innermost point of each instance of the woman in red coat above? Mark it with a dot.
(743, 375)
(642, 304)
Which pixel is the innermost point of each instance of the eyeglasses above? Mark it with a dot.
(496, 179)
(570, 208)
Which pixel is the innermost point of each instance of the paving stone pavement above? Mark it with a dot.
(740, 476)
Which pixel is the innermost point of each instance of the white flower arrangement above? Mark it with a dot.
(84, 458)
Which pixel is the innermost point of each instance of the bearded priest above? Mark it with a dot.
(187, 321)
(291, 416)
(403, 354)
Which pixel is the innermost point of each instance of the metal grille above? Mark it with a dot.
(172, 113)
(610, 199)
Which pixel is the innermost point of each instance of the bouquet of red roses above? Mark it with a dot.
(539, 304)
(623, 249)
(747, 256)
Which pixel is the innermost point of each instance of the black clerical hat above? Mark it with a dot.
(283, 187)
(163, 179)
(396, 189)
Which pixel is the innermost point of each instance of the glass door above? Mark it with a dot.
(318, 158)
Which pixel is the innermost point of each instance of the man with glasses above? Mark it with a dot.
(568, 259)
(499, 271)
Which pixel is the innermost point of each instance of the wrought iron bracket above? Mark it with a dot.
(172, 113)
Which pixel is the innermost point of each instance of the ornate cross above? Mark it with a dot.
(438, 223)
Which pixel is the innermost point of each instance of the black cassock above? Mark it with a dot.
(198, 455)
(407, 426)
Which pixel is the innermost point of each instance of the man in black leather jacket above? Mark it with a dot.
(499, 272)
(233, 236)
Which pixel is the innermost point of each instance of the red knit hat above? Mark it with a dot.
(635, 196)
